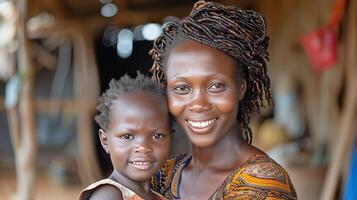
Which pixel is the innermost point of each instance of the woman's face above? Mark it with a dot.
(203, 91)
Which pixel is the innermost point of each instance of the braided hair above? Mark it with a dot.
(240, 34)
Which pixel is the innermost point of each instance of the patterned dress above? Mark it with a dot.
(260, 177)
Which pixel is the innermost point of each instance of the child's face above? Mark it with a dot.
(138, 135)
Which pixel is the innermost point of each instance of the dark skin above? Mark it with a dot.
(107, 192)
(110, 192)
(137, 139)
(203, 94)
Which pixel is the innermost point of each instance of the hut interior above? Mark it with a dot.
(57, 56)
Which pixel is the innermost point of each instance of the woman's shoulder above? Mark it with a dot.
(262, 166)
(105, 189)
(260, 176)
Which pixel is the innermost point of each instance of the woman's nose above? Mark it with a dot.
(199, 102)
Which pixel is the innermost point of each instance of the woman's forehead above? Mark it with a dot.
(194, 48)
(193, 57)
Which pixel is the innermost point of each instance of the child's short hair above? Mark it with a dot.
(122, 86)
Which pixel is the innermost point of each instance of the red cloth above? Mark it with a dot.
(321, 44)
(321, 47)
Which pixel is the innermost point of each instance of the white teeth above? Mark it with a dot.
(202, 124)
(141, 162)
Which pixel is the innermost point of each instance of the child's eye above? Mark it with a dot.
(216, 87)
(157, 136)
(127, 136)
(181, 89)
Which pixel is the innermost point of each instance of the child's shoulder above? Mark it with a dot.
(105, 189)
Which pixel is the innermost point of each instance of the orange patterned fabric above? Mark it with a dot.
(258, 178)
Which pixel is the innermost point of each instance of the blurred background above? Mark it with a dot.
(57, 56)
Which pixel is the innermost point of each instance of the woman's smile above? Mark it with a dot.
(202, 126)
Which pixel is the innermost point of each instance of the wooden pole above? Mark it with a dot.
(23, 133)
(86, 89)
(348, 124)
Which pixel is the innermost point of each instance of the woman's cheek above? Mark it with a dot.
(176, 105)
(226, 103)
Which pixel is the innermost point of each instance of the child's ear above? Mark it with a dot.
(103, 139)
(242, 88)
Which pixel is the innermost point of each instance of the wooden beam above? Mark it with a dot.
(26, 147)
(136, 17)
(86, 89)
(122, 4)
(348, 124)
(43, 105)
(56, 7)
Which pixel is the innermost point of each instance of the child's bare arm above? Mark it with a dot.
(107, 192)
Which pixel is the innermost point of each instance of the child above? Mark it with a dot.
(135, 132)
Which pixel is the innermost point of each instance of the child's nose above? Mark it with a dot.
(142, 148)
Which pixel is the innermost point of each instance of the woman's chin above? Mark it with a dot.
(201, 140)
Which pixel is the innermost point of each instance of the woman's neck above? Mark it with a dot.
(228, 153)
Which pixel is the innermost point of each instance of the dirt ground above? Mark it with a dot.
(45, 187)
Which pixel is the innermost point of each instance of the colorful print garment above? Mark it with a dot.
(260, 177)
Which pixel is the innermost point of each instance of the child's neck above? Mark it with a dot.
(142, 188)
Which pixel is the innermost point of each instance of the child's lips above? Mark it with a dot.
(141, 164)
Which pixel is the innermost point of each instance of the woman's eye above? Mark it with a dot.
(181, 89)
(216, 87)
(127, 136)
(157, 136)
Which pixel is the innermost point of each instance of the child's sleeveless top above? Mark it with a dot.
(127, 193)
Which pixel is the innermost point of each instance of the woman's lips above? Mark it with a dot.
(202, 126)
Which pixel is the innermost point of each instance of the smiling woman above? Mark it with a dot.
(203, 91)
(213, 66)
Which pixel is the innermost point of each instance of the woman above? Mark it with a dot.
(213, 66)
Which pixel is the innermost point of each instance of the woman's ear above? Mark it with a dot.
(103, 140)
(242, 87)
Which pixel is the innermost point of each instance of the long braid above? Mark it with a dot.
(239, 33)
